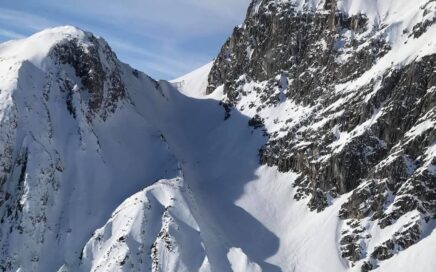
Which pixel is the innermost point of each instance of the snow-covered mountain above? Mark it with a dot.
(307, 145)
(73, 145)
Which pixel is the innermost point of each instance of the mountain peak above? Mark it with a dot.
(69, 50)
(37, 47)
(66, 30)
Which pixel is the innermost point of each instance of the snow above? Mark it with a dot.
(36, 47)
(428, 161)
(269, 198)
(420, 129)
(195, 83)
(344, 137)
(419, 257)
(240, 262)
(160, 208)
(392, 21)
(377, 11)
(398, 19)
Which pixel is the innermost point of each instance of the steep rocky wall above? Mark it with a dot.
(375, 139)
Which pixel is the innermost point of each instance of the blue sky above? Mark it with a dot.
(163, 38)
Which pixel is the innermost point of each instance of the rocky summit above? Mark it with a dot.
(308, 144)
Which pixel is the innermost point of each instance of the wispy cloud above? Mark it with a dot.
(25, 20)
(152, 61)
(10, 34)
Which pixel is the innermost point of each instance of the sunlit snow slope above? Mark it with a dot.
(194, 84)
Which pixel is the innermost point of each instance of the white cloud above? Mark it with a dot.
(10, 34)
(25, 20)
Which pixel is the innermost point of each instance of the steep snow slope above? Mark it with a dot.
(155, 223)
(419, 257)
(235, 199)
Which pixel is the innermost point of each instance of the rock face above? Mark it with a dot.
(348, 99)
(101, 82)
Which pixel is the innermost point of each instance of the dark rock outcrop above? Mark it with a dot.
(103, 84)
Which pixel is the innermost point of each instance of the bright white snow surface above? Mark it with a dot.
(191, 85)
(214, 209)
(419, 257)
